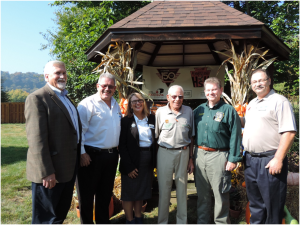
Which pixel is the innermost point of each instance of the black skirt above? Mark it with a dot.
(138, 188)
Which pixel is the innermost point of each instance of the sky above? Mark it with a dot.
(21, 24)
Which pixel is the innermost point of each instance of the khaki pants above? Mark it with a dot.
(210, 175)
(169, 161)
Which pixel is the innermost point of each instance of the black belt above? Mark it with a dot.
(91, 149)
(262, 154)
(181, 148)
(145, 148)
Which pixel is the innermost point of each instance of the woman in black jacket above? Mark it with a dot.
(138, 154)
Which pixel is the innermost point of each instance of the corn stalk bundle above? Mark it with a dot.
(243, 65)
(117, 62)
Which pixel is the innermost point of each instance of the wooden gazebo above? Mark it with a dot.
(183, 34)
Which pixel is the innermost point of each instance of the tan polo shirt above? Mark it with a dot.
(266, 120)
(174, 131)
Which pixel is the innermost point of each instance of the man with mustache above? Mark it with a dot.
(218, 140)
(269, 133)
(174, 128)
(53, 132)
(101, 118)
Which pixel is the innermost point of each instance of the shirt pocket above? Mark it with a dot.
(185, 127)
(215, 127)
(167, 130)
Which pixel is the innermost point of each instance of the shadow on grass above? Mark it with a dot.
(11, 154)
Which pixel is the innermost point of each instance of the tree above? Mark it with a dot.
(283, 19)
(4, 94)
(17, 95)
(80, 24)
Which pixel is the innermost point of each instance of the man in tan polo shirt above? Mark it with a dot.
(174, 128)
(269, 132)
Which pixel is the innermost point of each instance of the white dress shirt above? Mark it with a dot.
(101, 125)
(145, 136)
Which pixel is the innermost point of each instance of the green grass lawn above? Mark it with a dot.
(15, 189)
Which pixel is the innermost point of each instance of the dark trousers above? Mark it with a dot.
(51, 206)
(266, 192)
(97, 180)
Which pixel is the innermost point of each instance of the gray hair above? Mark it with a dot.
(213, 80)
(174, 87)
(49, 66)
(107, 75)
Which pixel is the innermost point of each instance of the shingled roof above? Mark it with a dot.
(186, 14)
(183, 33)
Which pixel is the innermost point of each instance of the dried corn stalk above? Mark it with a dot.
(117, 62)
(243, 65)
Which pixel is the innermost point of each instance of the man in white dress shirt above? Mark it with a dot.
(101, 117)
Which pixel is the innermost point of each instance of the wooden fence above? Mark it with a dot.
(12, 112)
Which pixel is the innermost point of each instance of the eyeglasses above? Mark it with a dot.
(175, 96)
(104, 86)
(258, 81)
(134, 102)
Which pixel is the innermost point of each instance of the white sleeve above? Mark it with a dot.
(285, 117)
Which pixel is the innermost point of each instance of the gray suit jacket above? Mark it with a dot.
(51, 136)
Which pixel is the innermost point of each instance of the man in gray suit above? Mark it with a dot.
(53, 130)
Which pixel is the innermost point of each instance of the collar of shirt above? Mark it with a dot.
(266, 98)
(170, 111)
(57, 91)
(138, 120)
(216, 105)
(99, 99)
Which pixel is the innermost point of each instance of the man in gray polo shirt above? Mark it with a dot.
(269, 132)
(174, 126)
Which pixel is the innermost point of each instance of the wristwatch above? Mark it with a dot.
(192, 157)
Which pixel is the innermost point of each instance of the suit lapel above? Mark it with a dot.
(58, 102)
(134, 130)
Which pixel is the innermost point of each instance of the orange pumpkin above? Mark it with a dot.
(238, 109)
(248, 215)
(125, 104)
(244, 184)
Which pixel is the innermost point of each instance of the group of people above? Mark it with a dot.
(84, 144)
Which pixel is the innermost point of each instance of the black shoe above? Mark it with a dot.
(139, 220)
(130, 222)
